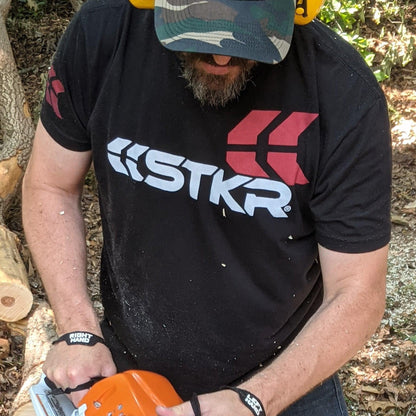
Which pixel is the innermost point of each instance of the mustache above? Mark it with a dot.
(210, 89)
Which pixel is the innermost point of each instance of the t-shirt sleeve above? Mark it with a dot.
(78, 70)
(64, 111)
(351, 203)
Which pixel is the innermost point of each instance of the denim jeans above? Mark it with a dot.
(325, 400)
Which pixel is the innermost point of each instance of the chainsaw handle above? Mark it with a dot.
(57, 390)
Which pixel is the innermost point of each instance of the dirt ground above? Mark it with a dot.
(381, 378)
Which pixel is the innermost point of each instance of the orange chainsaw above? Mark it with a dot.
(132, 393)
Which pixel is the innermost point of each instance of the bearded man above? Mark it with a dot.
(243, 170)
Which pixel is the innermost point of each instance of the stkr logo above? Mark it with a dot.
(263, 146)
(53, 88)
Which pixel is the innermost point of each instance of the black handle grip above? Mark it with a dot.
(57, 390)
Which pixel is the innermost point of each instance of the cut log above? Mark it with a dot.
(25, 410)
(16, 299)
(41, 332)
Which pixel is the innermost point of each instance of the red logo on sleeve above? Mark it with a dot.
(53, 88)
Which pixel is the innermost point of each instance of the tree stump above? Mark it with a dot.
(40, 334)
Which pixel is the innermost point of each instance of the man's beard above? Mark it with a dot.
(211, 89)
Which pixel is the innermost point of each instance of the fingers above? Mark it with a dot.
(220, 403)
(77, 396)
(69, 366)
(184, 409)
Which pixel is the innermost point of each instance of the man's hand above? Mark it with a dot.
(220, 403)
(72, 365)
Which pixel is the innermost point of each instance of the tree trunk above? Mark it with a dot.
(16, 133)
(40, 334)
(16, 125)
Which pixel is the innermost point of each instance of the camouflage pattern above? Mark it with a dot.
(260, 30)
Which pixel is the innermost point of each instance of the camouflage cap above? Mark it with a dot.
(260, 30)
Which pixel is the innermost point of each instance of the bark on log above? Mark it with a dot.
(41, 332)
(16, 127)
(16, 299)
(16, 133)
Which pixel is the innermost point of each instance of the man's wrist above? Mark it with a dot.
(249, 400)
(80, 338)
(85, 319)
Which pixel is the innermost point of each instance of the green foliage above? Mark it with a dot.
(348, 19)
(27, 9)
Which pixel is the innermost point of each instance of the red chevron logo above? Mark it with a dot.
(248, 160)
(54, 87)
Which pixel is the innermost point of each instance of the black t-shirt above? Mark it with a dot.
(212, 217)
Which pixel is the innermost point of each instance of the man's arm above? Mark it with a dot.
(54, 229)
(353, 305)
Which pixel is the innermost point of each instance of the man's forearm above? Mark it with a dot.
(54, 230)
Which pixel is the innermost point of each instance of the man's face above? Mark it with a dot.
(214, 79)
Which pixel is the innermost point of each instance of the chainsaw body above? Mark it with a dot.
(131, 393)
